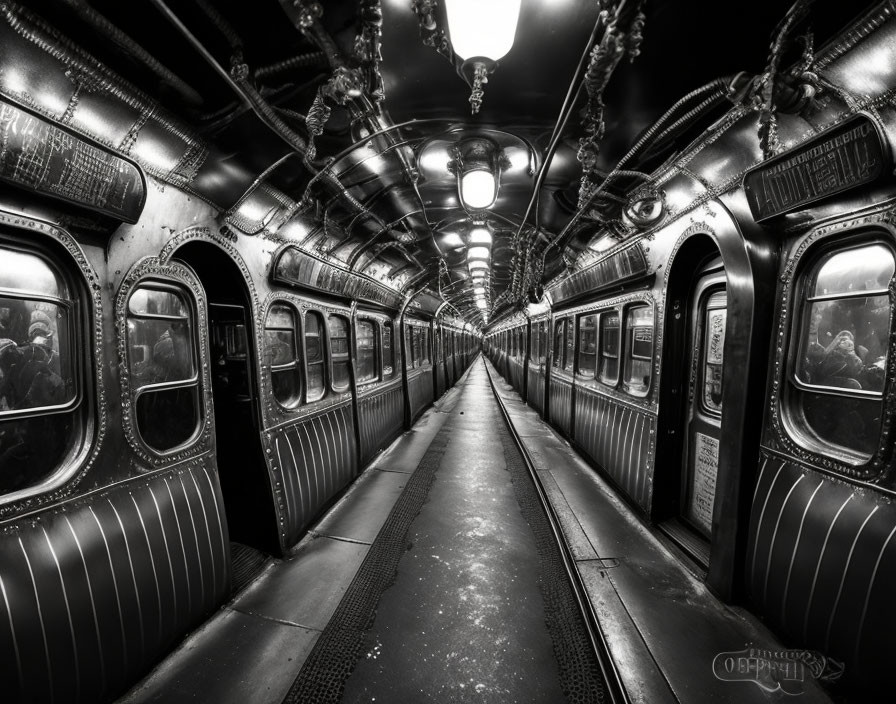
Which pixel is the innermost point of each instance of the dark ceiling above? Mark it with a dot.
(392, 209)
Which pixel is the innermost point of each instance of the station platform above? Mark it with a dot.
(437, 578)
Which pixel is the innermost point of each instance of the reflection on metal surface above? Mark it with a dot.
(44, 158)
(297, 268)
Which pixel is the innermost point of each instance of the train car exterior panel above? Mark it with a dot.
(618, 438)
(515, 369)
(535, 388)
(817, 567)
(561, 403)
(95, 593)
(420, 390)
(316, 458)
(380, 415)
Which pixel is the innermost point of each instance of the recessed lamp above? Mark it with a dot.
(477, 264)
(478, 253)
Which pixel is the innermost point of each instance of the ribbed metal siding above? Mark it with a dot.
(616, 437)
(441, 384)
(452, 373)
(316, 459)
(561, 403)
(535, 390)
(381, 416)
(420, 391)
(821, 567)
(516, 375)
(93, 595)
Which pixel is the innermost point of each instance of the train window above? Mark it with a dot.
(639, 350)
(415, 346)
(408, 348)
(842, 348)
(161, 357)
(388, 353)
(587, 346)
(543, 341)
(314, 356)
(424, 345)
(37, 370)
(339, 353)
(609, 348)
(365, 343)
(569, 358)
(559, 343)
(280, 351)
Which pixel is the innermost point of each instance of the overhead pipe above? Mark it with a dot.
(124, 42)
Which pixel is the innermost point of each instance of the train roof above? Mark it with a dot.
(342, 129)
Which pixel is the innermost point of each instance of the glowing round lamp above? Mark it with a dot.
(482, 28)
(478, 189)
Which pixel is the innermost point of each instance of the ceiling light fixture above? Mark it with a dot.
(481, 33)
(477, 164)
(477, 264)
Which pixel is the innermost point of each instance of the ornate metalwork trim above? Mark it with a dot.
(155, 269)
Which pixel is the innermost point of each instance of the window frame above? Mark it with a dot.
(794, 426)
(392, 357)
(297, 364)
(598, 373)
(626, 348)
(376, 348)
(558, 350)
(324, 354)
(82, 312)
(578, 365)
(343, 357)
(194, 381)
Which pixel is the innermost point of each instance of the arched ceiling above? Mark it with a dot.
(349, 109)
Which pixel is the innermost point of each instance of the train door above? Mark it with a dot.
(245, 484)
(707, 317)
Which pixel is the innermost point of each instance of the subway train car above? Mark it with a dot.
(250, 255)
